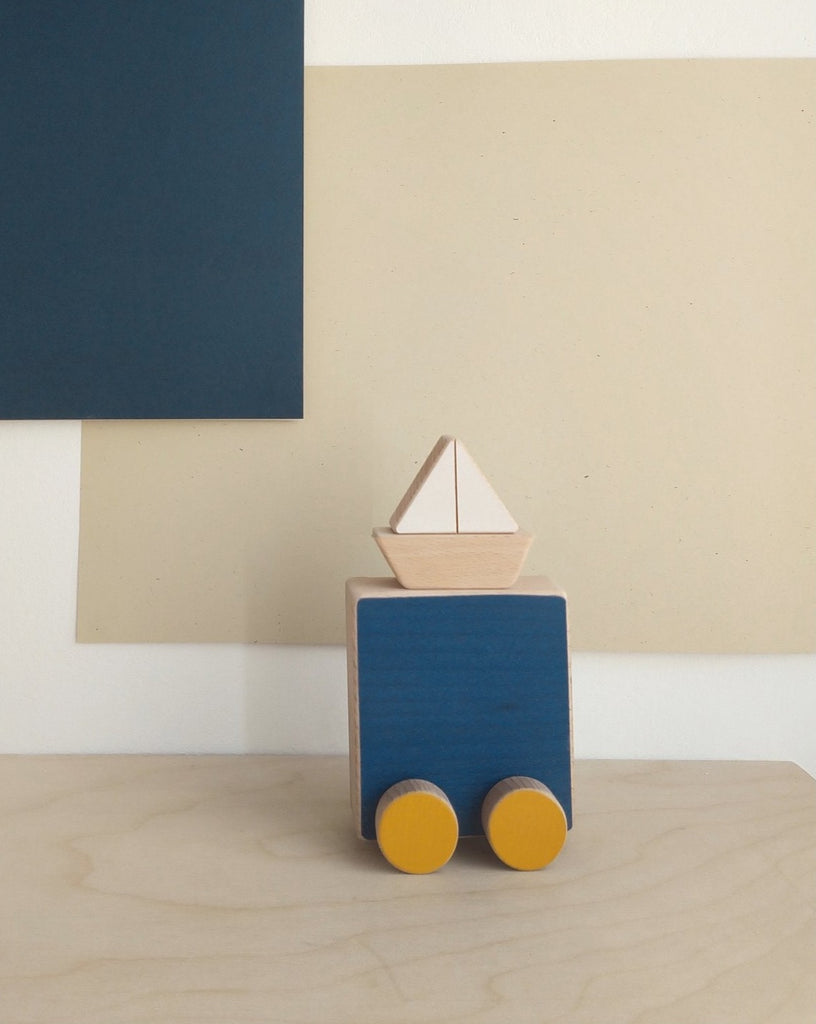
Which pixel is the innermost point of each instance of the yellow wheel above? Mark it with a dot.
(524, 823)
(417, 829)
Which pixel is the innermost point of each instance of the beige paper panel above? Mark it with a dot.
(600, 276)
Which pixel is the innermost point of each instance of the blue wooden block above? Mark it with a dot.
(460, 688)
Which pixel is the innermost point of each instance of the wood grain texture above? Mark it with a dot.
(448, 561)
(139, 890)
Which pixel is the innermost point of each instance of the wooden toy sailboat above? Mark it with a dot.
(451, 530)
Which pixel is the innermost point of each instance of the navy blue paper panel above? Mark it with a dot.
(151, 182)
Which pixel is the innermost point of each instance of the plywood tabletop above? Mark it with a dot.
(233, 889)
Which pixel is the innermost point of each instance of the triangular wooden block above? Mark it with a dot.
(450, 494)
(479, 508)
(429, 504)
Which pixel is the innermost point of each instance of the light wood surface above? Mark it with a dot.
(454, 561)
(233, 889)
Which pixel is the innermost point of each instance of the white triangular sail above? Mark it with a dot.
(450, 494)
(479, 508)
(429, 504)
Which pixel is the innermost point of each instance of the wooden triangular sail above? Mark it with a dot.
(429, 504)
(450, 494)
(478, 508)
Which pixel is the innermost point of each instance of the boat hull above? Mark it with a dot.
(454, 561)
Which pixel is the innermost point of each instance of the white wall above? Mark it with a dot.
(58, 696)
(463, 31)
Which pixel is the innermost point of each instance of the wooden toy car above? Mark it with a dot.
(459, 712)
